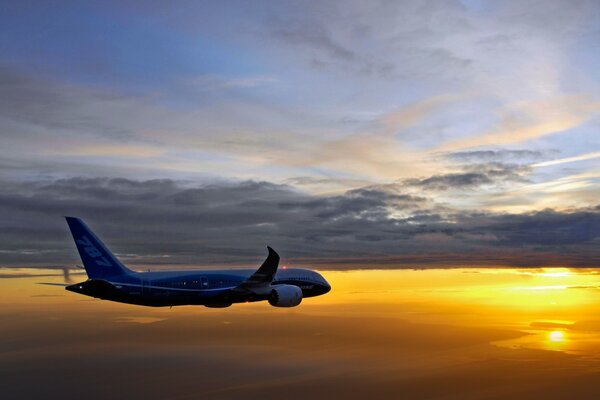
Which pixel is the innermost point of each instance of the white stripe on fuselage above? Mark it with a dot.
(119, 285)
(151, 279)
(242, 274)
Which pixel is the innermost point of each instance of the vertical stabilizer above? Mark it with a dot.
(98, 261)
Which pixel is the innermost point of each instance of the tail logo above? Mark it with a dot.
(93, 252)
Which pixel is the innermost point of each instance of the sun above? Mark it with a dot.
(555, 272)
(556, 336)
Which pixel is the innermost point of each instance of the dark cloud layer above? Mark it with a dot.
(170, 222)
(473, 176)
(495, 155)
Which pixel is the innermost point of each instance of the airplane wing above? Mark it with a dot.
(257, 285)
(264, 275)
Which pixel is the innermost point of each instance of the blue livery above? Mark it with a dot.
(109, 279)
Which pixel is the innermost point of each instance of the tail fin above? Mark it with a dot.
(98, 261)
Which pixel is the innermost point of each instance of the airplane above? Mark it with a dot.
(110, 280)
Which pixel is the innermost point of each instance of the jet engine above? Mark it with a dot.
(285, 296)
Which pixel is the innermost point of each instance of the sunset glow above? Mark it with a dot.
(437, 162)
(471, 315)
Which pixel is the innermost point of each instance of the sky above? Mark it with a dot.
(384, 334)
(377, 142)
(344, 134)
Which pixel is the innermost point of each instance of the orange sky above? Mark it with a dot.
(457, 334)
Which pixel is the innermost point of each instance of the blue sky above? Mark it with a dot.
(476, 107)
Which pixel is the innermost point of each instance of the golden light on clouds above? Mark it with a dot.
(525, 121)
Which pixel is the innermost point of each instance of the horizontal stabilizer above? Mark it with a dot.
(53, 284)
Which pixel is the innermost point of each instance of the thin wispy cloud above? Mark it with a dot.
(582, 157)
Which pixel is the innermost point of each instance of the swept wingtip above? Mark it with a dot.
(271, 251)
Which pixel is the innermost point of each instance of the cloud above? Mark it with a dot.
(472, 176)
(397, 120)
(379, 40)
(451, 181)
(171, 222)
(215, 82)
(368, 203)
(547, 228)
(45, 109)
(581, 157)
(501, 155)
(374, 152)
(311, 34)
(53, 126)
(531, 120)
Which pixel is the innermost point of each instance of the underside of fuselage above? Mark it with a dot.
(106, 291)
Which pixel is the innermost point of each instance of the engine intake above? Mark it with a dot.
(285, 296)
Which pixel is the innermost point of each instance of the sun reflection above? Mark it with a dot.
(556, 336)
(555, 272)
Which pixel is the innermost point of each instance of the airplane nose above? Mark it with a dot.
(326, 286)
(323, 285)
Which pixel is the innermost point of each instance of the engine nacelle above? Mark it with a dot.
(285, 296)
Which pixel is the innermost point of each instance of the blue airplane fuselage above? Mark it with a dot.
(109, 279)
(193, 287)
